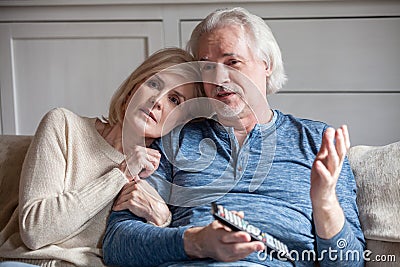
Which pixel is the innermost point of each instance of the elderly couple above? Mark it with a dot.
(290, 176)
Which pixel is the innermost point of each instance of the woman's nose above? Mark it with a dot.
(156, 103)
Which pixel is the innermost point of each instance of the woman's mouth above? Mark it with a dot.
(149, 114)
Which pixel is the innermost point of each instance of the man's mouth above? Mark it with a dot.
(224, 92)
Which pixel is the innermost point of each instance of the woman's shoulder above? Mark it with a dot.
(61, 115)
(56, 120)
(57, 113)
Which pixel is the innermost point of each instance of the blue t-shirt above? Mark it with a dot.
(267, 177)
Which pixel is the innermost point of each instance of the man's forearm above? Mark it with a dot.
(131, 242)
(328, 217)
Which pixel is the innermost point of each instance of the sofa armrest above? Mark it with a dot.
(12, 154)
(377, 173)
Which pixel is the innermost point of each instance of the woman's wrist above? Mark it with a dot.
(165, 224)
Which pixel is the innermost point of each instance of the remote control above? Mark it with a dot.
(236, 223)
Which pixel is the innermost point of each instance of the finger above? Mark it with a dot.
(136, 179)
(149, 190)
(237, 251)
(147, 170)
(118, 204)
(322, 171)
(236, 237)
(340, 145)
(122, 199)
(346, 136)
(327, 136)
(245, 249)
(153, 152)
(238, 213)
(128, 188)
(126, 205)
(332, 155)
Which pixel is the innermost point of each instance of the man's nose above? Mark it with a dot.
(221, 74)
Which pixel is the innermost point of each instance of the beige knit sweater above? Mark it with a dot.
(69, 180)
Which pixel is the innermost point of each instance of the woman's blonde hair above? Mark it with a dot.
(159, 61)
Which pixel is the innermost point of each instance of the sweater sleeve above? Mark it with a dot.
(131, 242)
(347, 247)
(49, 211)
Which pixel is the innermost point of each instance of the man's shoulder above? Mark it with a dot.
(290, 119)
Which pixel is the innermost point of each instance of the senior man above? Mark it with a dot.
(290, 175)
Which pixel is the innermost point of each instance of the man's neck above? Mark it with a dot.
(245, 124)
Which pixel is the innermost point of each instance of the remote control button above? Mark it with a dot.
(235, 219)
(270, 241)
(286, 249)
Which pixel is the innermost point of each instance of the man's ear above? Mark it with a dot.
(268, 68)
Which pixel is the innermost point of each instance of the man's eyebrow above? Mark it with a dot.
(229, 54)
(223, 55)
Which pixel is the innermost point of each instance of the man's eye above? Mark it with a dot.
(174, 99)
(233, 62)
(154, 84)
(208, 67)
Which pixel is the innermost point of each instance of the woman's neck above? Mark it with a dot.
(148, 141)
(112, 134)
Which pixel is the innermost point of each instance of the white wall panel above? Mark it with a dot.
(373, 119)
(357, 54)
(72, 65)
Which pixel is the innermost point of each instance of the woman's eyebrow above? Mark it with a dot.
(159, 79)
(179, 94)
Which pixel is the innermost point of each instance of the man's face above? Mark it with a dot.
(239, 79)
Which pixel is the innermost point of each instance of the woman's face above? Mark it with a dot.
(154, 101)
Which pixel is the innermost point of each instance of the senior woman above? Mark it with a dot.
(76, 166)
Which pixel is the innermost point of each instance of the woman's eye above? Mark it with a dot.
(154, 84)
(174, 99)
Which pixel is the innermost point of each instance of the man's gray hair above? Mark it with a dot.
(260, 40)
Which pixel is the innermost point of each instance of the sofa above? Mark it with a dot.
(376, 169)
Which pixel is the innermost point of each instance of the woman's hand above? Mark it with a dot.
(142, 200)
(141, 162)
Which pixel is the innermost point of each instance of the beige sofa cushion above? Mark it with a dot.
(12, 154)
(377, 173)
